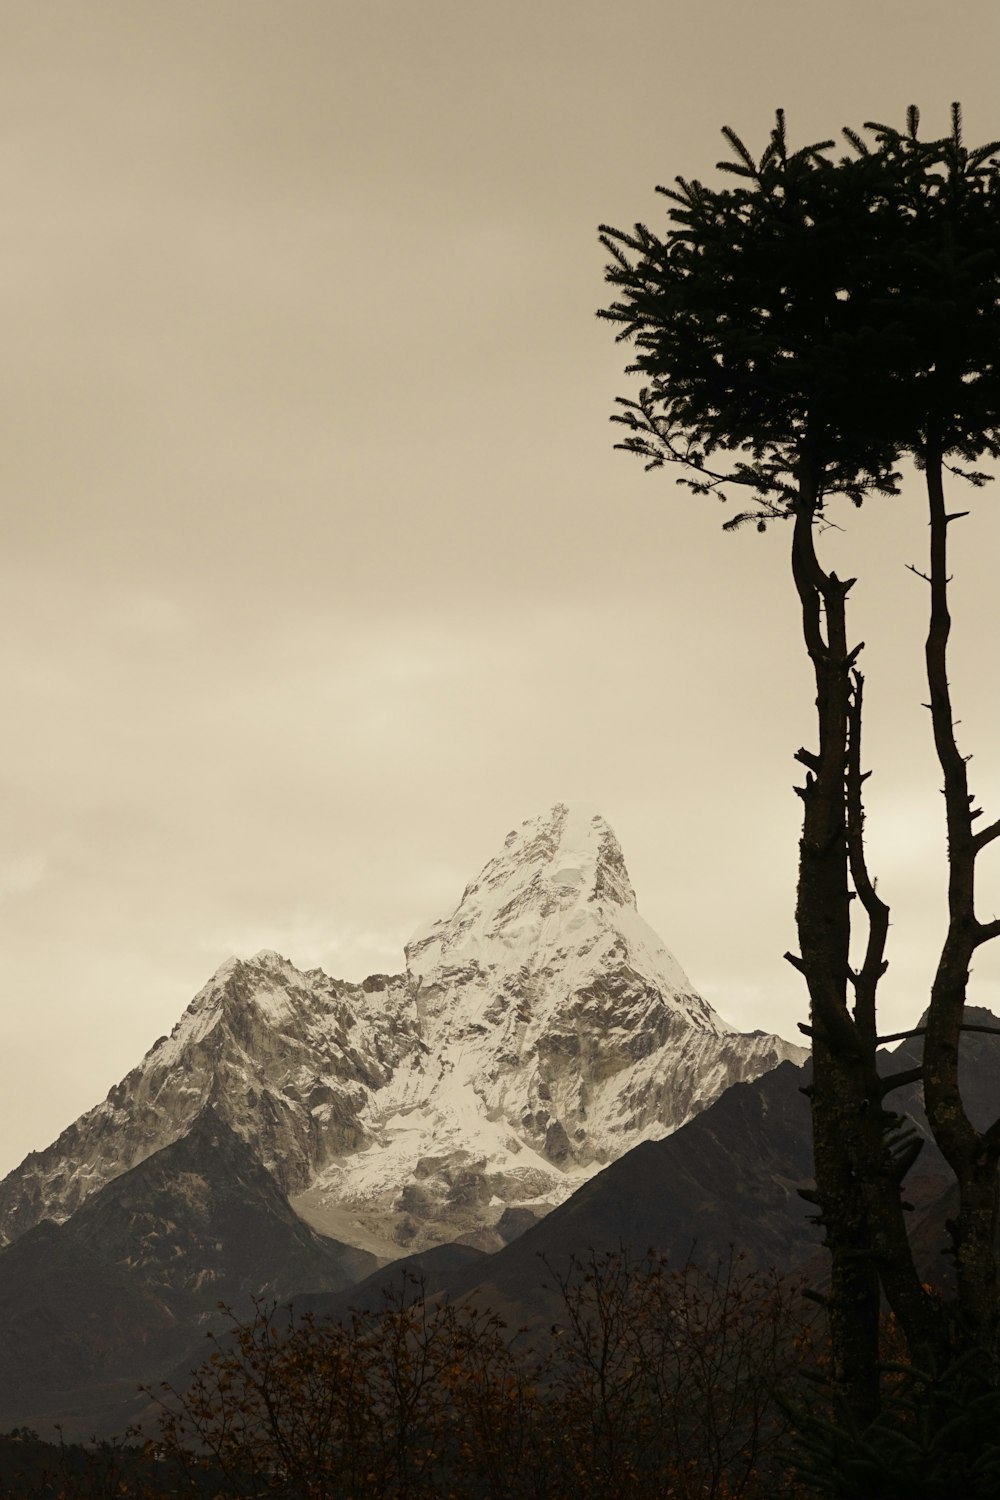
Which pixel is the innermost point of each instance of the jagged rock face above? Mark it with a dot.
(287, 1059)
(540, 1031)
(202, 1222)
(134, 1279)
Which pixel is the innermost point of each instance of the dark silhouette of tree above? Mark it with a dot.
(953, 302)
(799, 333)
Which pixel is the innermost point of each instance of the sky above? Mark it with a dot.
(319, 570)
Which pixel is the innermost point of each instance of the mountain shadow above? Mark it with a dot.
(118, 1293)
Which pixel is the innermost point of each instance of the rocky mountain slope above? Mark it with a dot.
(539, 1031)
(728, 1181)
(92, 1306)
(130, 1282)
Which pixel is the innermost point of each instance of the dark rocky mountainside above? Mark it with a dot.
(729, 1179)
(203, 1222)
(121, 1290)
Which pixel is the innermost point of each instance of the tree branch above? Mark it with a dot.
(900, 1080)
(866, 981)
(900, 1036)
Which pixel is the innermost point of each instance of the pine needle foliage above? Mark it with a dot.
(936, 1436)
(823, 310)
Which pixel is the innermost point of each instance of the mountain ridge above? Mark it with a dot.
(541, 1030)
(135, 1277)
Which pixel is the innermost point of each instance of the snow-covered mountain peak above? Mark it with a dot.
(542, 1029)
(268, 958)
(236, 983)
(537, 887)
(560, 859)
(547, 915)
(569, 853)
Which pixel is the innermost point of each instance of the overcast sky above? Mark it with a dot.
(319, 572)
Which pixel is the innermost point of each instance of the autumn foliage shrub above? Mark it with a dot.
(652, 1383)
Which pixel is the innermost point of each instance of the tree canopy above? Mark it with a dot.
(823, 314)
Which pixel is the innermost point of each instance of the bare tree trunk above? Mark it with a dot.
(972, 1155)
(859, 1170)
(822, 917)
(887, 1147)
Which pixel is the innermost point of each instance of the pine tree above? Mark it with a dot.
(799, 333)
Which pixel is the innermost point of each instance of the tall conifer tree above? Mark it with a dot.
(798, 333)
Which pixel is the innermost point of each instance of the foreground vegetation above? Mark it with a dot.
(652, 1384)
